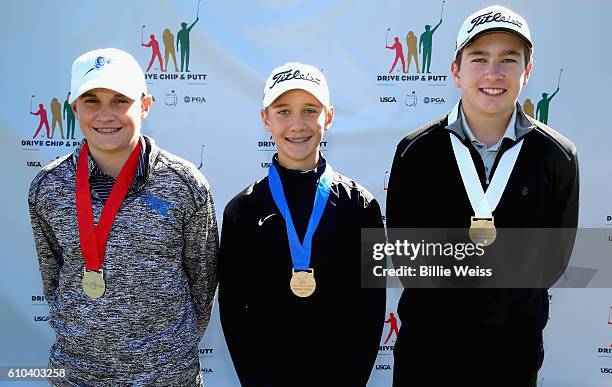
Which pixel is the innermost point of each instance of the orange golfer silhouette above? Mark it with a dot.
(154, 44)
(56, 117)
(168, 39)
(393, 322)
(528, 107)
(43, 120)
(411, 43)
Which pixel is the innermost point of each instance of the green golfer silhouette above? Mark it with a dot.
(69, 117)
(543, 106)
(426, 41)
(182, 44)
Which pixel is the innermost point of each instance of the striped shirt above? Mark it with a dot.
(102, 184)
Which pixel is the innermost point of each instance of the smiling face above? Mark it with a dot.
(297, 121)
(110, 121)
(491, 73)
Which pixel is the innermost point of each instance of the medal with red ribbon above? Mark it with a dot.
(93, 239)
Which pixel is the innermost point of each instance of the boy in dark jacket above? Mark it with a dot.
(483, 337)
(292, 309)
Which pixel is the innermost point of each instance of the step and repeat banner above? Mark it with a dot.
(388, 67)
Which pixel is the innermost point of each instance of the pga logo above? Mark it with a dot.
(434, 100)
(189, 99)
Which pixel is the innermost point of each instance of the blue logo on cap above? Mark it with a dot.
(100, 62)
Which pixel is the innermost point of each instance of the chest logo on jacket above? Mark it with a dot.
(262, 220)
(160, 206)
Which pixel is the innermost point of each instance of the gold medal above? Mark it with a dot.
(93, 283)
(302, 283)
(482, 231)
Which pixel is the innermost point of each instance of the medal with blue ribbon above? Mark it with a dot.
(302, 282)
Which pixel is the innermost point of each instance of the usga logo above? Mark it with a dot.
(387, 99)
(434, 100)
(189, 99)
(383, 367)
(34, 164)
(609, 220)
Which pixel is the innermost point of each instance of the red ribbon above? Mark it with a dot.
(93, 239)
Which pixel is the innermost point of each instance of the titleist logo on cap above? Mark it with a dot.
(489, 18)
(291, 74)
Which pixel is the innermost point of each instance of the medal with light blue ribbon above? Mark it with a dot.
(302, 282)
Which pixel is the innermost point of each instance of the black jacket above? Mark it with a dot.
(425, 190)
(274, 337)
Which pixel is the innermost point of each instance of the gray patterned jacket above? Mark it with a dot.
(160, 270)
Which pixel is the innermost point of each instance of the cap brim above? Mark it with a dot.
(269, 100)
(522, 37)
(109, 83)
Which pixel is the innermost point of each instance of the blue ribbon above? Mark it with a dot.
(300, 252)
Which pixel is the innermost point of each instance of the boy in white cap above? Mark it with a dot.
(483, 337)
(126, 238)
(290, 302)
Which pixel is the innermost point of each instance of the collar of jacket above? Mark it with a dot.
(524, 124)
(317, 171)
(150, 163)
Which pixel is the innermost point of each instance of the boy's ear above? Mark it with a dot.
(145, 105)
(527, 72)
(329, 116)
(265, 118)
(455, 72)
(74, 110)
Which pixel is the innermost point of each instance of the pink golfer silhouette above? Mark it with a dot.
(43, 120)
(154, 44)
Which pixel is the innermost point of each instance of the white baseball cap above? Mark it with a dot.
(492, 19)
(292, 76)
(107, 68)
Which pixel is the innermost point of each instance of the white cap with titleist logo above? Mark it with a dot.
(292, 76)
(492, 19)
(107, 68)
